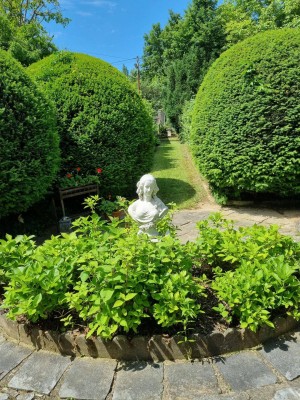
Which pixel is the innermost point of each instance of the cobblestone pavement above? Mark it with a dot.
(287, 219)
(271, 372)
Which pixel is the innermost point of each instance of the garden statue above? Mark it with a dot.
(148, 209)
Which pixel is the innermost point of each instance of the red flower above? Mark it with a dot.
(78, 169)
(69, 175)
(99, 170)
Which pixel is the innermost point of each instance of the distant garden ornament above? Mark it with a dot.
(148, 209)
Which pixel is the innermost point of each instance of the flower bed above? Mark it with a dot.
(100, 281)
(154, 348)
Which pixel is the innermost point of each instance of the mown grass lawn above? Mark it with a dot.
(178, 179)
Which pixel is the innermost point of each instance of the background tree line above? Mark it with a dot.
(177, 57)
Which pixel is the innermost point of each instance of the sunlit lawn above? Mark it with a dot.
(177, 177)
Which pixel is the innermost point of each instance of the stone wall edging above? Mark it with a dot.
(154, 348)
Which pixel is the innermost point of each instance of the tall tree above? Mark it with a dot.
(23, 12)
(153, 52)
(245, 18)
(182, 52)
(22, 33)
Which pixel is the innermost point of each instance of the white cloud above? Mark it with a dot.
(101, 3)
(84, 13)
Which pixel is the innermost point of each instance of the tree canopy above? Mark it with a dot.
(22, 33)
(178, 55)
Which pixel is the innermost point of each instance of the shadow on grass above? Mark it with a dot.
(174, 190)
(164, 156)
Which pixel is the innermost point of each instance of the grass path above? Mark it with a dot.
(178, 179)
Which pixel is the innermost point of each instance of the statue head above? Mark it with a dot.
(147, 181)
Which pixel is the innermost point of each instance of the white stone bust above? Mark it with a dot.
(148, 209)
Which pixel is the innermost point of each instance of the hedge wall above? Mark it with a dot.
(246, 120)
(29, 144)
(102, 120)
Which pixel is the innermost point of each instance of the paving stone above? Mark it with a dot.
(245, 371)
(287, 394)
(88, 379)
(25, 396)
(234, 396)
(10, 356)
(40, 373)
(285, 356)
(189, 380)
(139, 381)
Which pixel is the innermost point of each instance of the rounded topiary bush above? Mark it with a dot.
(103, 122)
(246, 120)
(29, 143)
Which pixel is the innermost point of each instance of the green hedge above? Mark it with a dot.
(29, 144)
(246, 121)
(102, 120)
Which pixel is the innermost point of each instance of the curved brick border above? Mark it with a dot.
(155, 348)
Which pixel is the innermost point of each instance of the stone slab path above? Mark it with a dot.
(271, 372)
(287, 219)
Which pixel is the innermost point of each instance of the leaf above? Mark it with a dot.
(84, 276)
(106, 294)
(118, 303)
(37, 299)
(130, 296)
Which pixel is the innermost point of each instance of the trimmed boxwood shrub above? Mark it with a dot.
(29, 143)
(102, 120)
(246, 120)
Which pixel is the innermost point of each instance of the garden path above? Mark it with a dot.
(271, 372)
(287, 219)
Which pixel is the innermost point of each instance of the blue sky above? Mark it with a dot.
(112, 30)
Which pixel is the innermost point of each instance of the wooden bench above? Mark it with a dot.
(75, 192)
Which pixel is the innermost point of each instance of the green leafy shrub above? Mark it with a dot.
(245, 127)
(185, 121)
(29, 149)
(15, 252)
(100, 275)
(107, 277)
(103, 123)
(254, 270)
(221, 244)
(256, 289)
(38, 284)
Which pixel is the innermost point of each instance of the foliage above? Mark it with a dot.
(22, 33)
(179, 54)
(185, 121)
(30, 43)
(256, 288)
(37, 285)
(101, 271)
(26, 11)
(14, 253)
(244, 18)
(220, 245)
(108, 206)
(255, 270)
(245, 127)
(29, 148)
(102, 120)
(75, 178)
(101, 275)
